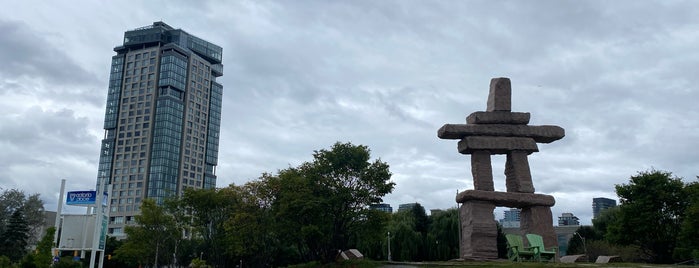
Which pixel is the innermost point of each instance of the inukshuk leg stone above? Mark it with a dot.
(518, 177)
(482, 171)
(500, 131)
(479, 229)
(537, 220)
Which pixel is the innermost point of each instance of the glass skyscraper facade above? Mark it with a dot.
(599, 204)
(162, 119)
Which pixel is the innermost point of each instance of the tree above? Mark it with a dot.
(210, 209)
(14, 239)
(298, 206)
(152, 238)
(444, 227)
(320, 206)
(249, 232)
(576, 244)
(603, 220)
(687, 242)
(43, 256)
(351, 183)
(371, 238)
(650, 213)
(421, 224)
(405, 240)
(32, 206)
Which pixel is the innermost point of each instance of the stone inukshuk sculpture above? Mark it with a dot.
(500, 131)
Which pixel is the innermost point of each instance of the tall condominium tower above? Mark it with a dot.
(599, 204)
(162, 121)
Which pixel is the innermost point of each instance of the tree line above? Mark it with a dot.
(310, 212)
(300, 214)
(657, 221)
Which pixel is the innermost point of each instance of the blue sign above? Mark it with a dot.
(81, 198)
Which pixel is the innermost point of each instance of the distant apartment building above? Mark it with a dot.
(568, 219)
(408, 206)
(382, 207)
(599, 204)
(511, 218)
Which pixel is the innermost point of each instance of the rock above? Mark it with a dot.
(478, 230)
(500, 96)
(518, 177)
(482, 171)
(497, 145)
(543, 134)
(506, 199)
(498, 117)
(538, 220)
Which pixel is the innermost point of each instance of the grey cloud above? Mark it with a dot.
(25, 53)
(300, 76)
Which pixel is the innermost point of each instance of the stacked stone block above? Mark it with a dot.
(498, 130)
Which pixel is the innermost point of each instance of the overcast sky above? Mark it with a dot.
(619, 76)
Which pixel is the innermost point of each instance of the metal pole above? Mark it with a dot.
(458, 216)
(389, 246)
(583, 242)
(106, 215)
(97, 232)
(57, 223)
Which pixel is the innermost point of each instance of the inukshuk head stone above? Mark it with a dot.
(498, 130)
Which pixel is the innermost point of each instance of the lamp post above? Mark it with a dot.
(583, 242)
(389, 246)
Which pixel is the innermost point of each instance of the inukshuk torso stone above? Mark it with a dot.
(500, 131)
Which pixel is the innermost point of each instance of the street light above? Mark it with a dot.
(583, 241)
(389, 246)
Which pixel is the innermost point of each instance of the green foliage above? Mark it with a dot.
(14, 239)
(370, 239)
(444, 227)
(32, 208)
(249, 229)
(688, 237)
(43, 256)
(406, 241)
(5, 262)
(197, 263)
(651, 209)
(576, 245)
(67, 262)
(320, 206)
(210, 210)
(350, 183)
(501, 243)
(602, 222)
(630, 253)
(29, 261)
(150, 241)
(363, 263)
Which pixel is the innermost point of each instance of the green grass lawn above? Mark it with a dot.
(470, 264)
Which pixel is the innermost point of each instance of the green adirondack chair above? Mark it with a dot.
(540, 252)
(516, 250)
